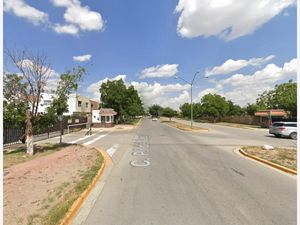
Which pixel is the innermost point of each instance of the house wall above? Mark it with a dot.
(74, 107)
(45, 102)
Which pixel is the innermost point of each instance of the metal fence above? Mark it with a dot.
(13, 134)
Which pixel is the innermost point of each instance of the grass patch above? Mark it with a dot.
(19, 154)
(58, 211)
(282, 156)
(183, 127)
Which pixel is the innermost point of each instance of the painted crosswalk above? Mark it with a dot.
(95, 139)
(80, 139)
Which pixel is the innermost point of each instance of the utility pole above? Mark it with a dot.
(191, 84)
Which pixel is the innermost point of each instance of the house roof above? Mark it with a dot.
(107, 112)
(272, 112)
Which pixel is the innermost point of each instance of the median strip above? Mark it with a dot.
(282, 159)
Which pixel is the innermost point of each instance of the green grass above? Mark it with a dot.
(19, 155)
(58, 211)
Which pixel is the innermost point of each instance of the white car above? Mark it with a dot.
(284, 129)
(154, 119)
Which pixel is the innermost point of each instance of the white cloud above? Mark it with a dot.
(166, 70)
(227, 19)
(66, 29)
(79, 16)
(171, 95)
(93, 89)
(234, 65)
(21, 9)
(243, 89)
(82, 58)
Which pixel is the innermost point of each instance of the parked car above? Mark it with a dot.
(284, 129)
(154, 118)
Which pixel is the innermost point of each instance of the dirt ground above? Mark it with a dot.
(33, 187)
(282, 156)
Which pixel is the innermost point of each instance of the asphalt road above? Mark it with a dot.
(163, 176)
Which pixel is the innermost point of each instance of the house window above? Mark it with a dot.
(79, 103)
(47, 102)
(86, 105)
(107, 119)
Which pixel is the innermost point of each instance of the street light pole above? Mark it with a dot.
(191, 84)
(191, 105)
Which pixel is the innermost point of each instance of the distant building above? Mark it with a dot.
(267, 117)
(77, 104)
(103, 117)
(45, 102)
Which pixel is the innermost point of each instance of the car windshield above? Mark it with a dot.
(278, 124)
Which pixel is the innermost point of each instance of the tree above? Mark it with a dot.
(155, 110)
(185, 110)
(35, 71)
(214, 105)
(14, 104)
(283, 96)
(168, 112)
(134, 104)
(68, 82)
(125, 101)
(250, 109)
(234, 109)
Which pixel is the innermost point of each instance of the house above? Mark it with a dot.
(267, 117)
(103, 117)
(77, 104)
(45, 102)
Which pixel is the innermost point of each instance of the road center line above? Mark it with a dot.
(95, 139)
(112, 150)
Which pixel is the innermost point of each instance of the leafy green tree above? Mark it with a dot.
(155, 110)
(214, 105)
(168, 112)
(234, 109)
(283, 96)
(251, 109)
(134, 104)
(185, 110)
(125, 101)
(67, 84)
(14, 103)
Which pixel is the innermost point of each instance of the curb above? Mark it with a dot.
(182, 130)
(282, 168)
(78, 203)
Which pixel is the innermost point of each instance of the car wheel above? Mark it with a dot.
(277, 135)
(293, 135)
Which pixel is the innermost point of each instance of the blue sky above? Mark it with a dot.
(244, 47)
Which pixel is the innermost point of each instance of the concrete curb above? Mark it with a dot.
(282, 168)
(78, 203)
(182, 130)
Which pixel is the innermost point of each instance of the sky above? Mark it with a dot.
(237, 48)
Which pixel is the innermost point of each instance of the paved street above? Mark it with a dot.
(161, 175)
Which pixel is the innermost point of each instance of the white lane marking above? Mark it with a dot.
(136, 164)
(95, 139)
(80, 139)
(112, 150)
